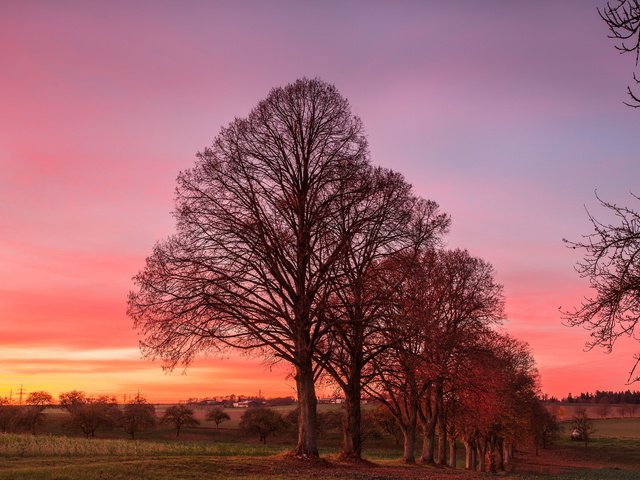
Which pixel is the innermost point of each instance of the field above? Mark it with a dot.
(204, 453)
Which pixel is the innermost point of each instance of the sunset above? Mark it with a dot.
(509, 116)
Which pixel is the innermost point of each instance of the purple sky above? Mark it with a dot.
(509, 114)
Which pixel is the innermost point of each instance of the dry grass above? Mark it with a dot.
(24, 445)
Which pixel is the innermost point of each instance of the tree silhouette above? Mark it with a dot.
(90, 413)
(218, 415)
(259, 235)
(623, 20)
(612, 265)
(137, 416)
(180, 416)
(262, 422)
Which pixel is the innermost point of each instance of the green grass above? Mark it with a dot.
(205, 453)
(622, 428)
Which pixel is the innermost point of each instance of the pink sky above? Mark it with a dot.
(508, 114)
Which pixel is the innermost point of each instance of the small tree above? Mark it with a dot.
(218, 415)
(262, 421)
(71, 399)
(583, 425)
(544, 425)
(138, 416)
(88, 414)
(180, 416)
(8, 414)
(382, 418)
(33, 415)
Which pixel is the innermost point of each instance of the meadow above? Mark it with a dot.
(206, 452)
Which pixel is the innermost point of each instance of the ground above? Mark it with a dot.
(204, 453)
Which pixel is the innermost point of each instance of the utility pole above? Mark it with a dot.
(21, 393)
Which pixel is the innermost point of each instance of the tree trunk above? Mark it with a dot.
(492, 455)
(429, 417)
(506, 455)
(442, 440)
(469, 455)
(409, 428)
(452, 452)
(307, 444)
(408, 452)
(500, 455)
(481, 449)
(428, 447)
(352, 427)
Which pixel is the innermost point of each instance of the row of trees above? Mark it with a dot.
(88, 414)
(291, 244)
(605, 396)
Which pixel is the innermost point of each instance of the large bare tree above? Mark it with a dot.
(260, 232)
(393, 222)
(623, 20)
(445, 302)
(612, 265)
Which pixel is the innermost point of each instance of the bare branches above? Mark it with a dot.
(269, 223)
(612, 265)
(623, 20)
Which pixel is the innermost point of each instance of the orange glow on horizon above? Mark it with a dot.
(104, 105)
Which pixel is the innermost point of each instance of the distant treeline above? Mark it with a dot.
(602, 396)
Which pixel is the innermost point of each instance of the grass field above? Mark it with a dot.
(204, 453)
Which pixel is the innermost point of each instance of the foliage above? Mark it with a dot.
(627, 396)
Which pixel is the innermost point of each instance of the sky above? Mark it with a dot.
(508, 114)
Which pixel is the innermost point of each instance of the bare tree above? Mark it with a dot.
(258, 239)
(33, 414)
(9, 413)
(582, 426)
(623, 20)
(262, 421)
(88, 414)
(137, 416)
(393, 222)
(612, 265)
(218, 415)
(180, 416)
(465, 300)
